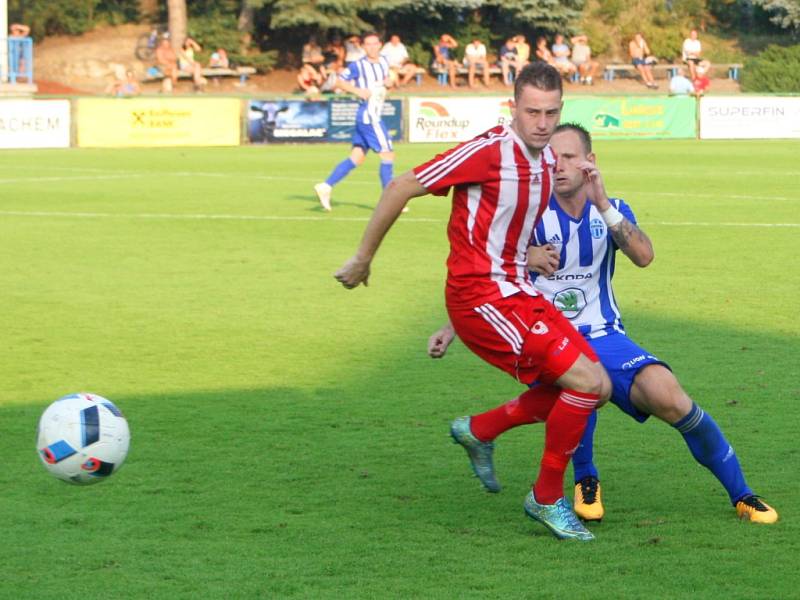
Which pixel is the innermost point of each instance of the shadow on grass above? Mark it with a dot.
(283, 492)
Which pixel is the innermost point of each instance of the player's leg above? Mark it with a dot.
(471, 66)
(588, 502)
(477, 433)
(341, 170)
(656, 390)
(571, 364)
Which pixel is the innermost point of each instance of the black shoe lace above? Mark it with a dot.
(755, 502)
(589, 489)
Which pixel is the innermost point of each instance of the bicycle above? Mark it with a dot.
(146, 43)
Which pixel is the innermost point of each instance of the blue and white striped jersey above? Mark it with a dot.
(581, 287)
(364, 73)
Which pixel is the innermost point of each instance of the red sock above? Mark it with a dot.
(563, 433)
(532, 406)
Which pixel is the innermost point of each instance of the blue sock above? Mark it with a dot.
(582, 463)
(340, 172)
(386, 173)
(712, 450)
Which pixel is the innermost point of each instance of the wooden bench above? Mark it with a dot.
(732, 69)
(241, 72)
(442, 74)
(668, 70)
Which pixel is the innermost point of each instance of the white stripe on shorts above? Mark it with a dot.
(502, 326)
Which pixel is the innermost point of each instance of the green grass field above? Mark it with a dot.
(290, 437)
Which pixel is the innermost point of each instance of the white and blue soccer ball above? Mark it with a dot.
(83, 438)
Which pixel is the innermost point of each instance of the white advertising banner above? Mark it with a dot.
(455, 119)
(34, 123)
(749, 117)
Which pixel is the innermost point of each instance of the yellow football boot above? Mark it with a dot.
(589, 500)
(755, 510)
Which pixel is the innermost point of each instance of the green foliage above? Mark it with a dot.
(783, 13)
(220, 31)
(49, 17)
(775, 70)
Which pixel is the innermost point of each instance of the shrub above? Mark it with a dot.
(775, 70)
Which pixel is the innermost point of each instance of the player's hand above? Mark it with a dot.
(543, 259)
(440, 341)
(593, 177)
(363, 93)
(354, 272)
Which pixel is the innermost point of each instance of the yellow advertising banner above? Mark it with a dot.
(120, 122)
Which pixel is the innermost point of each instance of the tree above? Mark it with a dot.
(177, 20)
(783, 13)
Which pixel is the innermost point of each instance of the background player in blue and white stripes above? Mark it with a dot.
(572, 263)
(368, 79)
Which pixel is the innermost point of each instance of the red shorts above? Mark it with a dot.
(525, 336)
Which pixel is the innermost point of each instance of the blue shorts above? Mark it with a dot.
(372, 136)
(623, 359)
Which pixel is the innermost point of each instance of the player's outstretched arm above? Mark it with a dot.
(440, 341)
(351, 88)
(633, 242)
(394, 198)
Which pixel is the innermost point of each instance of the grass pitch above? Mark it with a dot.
(290, 437)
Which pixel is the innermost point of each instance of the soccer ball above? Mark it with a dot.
(83, 438)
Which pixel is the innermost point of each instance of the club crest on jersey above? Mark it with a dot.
(598, 228)
(570, 301)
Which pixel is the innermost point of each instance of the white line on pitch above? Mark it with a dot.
(199, 217)
(224, 217)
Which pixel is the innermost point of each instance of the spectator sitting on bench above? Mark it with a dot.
(582, 59)
(167, 63)
(310, 80)
(444, 57)
(523, 50)
(543, 52)
(691, 52)
(312, 53)
(219, 60)
(188, 64)
(642, 59)
(508, 58)
(702, 76)
(475, 56)
(125, 88)
(680, 85)
(353, 50)
(401, 69)
(335, 54)
(560, 51)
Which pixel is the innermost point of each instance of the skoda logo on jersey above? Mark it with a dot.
(597, 228)
(570, 301)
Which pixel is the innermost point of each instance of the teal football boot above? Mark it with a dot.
(558, 518)
(480, 453)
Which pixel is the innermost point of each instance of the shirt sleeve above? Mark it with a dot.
(626, 210)
(350, 72)
(469, 162)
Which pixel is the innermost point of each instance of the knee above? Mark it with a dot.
(594, 380)
(671, 406)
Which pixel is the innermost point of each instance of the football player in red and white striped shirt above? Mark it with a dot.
(502, 181)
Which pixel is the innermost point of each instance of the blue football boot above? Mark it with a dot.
(480, 453)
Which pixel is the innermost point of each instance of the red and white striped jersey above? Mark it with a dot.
(500, 194)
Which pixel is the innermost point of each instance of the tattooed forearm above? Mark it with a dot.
(623, 232)
(633, 242)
